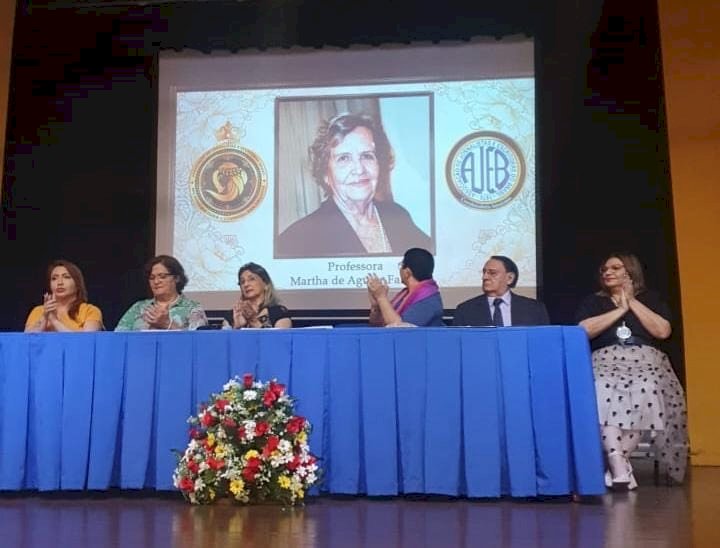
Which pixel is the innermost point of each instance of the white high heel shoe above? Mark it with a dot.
(627, 478)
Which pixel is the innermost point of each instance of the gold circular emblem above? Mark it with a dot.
(228, 182)
(485, 170)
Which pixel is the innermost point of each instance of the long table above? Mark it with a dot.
(456, 411)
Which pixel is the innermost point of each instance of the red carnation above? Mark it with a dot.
(221, 404)
(229, 422)
(241, 432)
(193, 466)
(247, 380)
(195, 434)
(295, 425)
(186, 484)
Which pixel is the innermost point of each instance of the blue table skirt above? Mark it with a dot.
(476, 412)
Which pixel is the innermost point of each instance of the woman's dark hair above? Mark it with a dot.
(632, 266)
(270, 298)
(332, 132)
(420, 262)
(76, 275)
(174, 267)
(510, 266)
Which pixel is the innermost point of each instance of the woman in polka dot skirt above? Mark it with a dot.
(637, 390)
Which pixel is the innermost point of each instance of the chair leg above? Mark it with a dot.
(656, 472)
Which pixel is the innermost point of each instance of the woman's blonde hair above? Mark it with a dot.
(270, 298)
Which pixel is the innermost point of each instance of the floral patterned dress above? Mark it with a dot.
(184, 312)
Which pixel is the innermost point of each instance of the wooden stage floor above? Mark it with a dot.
(652, 516)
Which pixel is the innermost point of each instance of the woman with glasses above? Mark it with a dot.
(168, 308)
(419, 304)
(351, 160)
(65, 306)
(258, 305)
(638, 393)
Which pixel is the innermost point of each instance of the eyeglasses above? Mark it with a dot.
(162, 276)
(612, 267)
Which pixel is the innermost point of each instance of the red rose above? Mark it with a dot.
(215, 464)
(193, 466)
(229, 422)
(221, 404)
(270, 446)
(247, 380)
(186, 484)
(276, 388)
(241, 432)
(295, 425)
(207, 419)
(261, 428)
(252, 468)
(269, 398)
(293, 464)
(249, 474)
(195, 434)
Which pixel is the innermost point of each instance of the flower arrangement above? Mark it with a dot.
(246, 443)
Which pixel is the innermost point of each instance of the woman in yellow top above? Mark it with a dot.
(65, 306)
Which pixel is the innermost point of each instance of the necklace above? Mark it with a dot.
(373, 236)
(385, 242)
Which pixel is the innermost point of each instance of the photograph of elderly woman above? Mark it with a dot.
(354, 176)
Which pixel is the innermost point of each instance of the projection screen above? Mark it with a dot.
(453, 145)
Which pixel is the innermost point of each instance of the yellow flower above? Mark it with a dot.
(250, 454)
(284, 482)
(229, 395)
(237, 486)
(220, 450)
(301, 437)
(210, 439)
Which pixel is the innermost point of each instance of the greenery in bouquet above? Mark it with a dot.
(246, 443)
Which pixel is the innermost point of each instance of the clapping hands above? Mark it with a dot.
(244, 314)
(377, 288)
(157, 316)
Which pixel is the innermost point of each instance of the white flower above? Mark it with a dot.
(232, 383)
(249, 395)
(199, 484)
(284, 446)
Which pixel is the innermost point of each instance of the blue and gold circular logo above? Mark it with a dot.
(228, 181)
(485, 170)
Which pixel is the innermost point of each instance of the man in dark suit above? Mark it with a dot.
(498, 305)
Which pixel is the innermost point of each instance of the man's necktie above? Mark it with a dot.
(497, 314)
